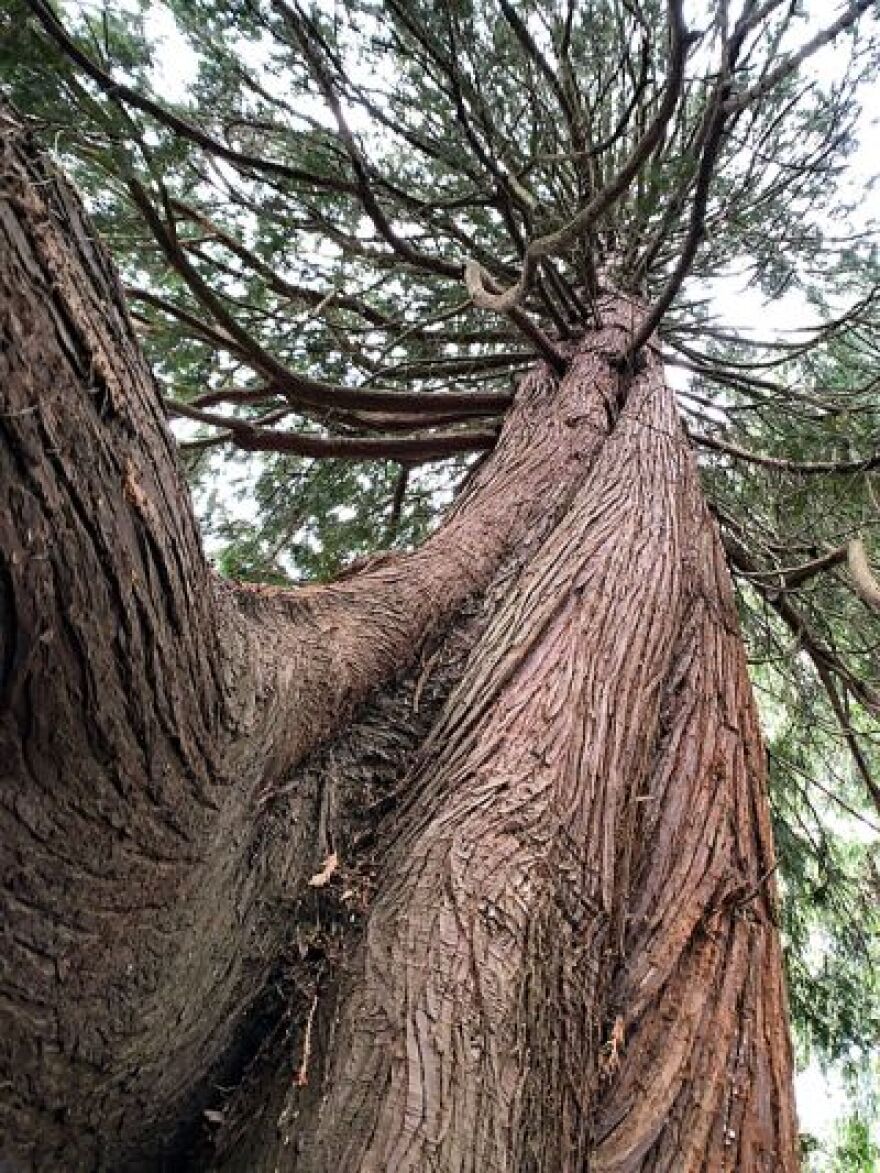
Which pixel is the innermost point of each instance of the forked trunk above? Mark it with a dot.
(550, 943)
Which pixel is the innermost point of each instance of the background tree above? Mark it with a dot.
(346, 246)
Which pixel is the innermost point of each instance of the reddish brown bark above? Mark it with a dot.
(572, 961)
(571, 954)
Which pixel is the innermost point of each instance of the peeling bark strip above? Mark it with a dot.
(571, 961)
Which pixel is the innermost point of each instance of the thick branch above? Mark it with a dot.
(867, 586)
(252, 438)
(297, 387)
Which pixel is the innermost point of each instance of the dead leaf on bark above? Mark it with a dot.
(323, 877)
(609, 1060)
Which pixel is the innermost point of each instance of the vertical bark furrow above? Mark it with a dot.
(701, 963)
(572, 961)
(363, 629)
(109, 691)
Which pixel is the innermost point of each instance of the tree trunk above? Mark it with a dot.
(549, 942)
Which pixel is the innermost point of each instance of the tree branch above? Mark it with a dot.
(296, 387)
(866, 585)
(739, 101)
(251, 438)
(585, 219)
(188, 130)
(300, 28)
(782, 464)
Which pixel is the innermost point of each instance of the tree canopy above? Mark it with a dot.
(362, 222)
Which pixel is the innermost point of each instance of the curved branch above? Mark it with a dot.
(824, 659)
(251, 438)
(544, 246)
(299, 388)
(474, 277)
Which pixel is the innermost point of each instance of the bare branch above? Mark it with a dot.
(781, 464)
(866, 585)
(484, 300)
(790, 577)
(413, 449)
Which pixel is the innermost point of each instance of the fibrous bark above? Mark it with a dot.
(573, 960)
(569, 959)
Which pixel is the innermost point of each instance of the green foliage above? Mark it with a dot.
(855, 1151)
(281, 520)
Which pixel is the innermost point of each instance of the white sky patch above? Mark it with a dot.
(745, 311)
(177, 64)
(344, 513)
(821, 1100)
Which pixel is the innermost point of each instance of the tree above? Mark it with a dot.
(462, 859)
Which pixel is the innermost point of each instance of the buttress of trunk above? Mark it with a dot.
(572, 961)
